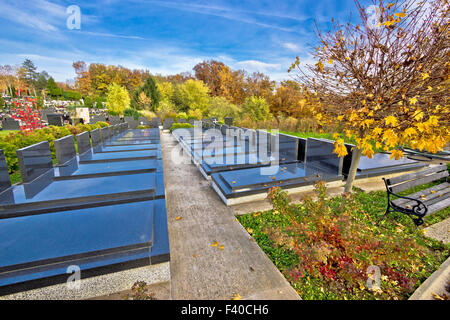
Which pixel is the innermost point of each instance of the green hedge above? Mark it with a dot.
(21, 139)
(180, 126)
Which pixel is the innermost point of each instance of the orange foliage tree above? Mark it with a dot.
(385, 81)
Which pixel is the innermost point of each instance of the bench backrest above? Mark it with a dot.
(410, 180)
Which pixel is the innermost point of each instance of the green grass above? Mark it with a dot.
(6, 132)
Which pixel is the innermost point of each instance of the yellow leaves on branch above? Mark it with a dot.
(320, 66)
(397, 154)
(413, 101)
(390, 138)
(391, 120)
(367, 150)
(339, 148)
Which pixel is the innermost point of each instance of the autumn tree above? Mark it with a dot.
(259, 84)
(117, 98)
(385, 80)
(256, 108)
(211, 73)
(288, 100)
(220, 107)
(193, 94)
(83, 79)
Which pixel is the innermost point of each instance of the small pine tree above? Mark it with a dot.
(151, 93)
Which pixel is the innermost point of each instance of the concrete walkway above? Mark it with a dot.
(199, 270)
(439, 231)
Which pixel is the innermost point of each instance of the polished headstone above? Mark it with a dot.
(156, 122)
(228, 121)
(10, 124)
(114, 120)
(83, 142)
(95, 136)
(5, 182)
(288, 148)
(98, 118)
(34, 160)
(65, 149)
(55, 119)
(168, 122)
(143, 121)
(319, 153)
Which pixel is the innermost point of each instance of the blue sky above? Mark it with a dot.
(165, 37)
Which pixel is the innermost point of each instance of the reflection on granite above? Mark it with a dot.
(319, 153)
(65, 149)
(96, 138)
(34, 160)
(5, 182)
(83, 142)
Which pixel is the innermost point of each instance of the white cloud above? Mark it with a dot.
(291, 46)
(254, 65)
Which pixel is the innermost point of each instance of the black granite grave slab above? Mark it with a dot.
(228, 121)
(45, 245)
(74, 170)
(96, 138)
(34, 160)
(245, 182)
(55, 119)
(83, 142)
(168, 122)
(65, 149)
(5, 182)
(319, 153)
(380, 164)
(45, 194)
(10, 124)
(97, 118)
(114, 120)
(91, 157)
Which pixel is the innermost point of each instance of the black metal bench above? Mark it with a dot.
(421, 203)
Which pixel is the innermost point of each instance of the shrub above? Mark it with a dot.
(21, 139)
(142, 127)
(130, 112)
(180, 126)
(324, 247)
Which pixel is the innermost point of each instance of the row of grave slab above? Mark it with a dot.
(97, 211)
(243, 164)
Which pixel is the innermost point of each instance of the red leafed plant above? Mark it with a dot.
(28, 113)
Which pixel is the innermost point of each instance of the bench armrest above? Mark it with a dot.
(420, 209)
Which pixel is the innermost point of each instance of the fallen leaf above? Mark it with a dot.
(178, 218)
(221, 247)
(195, 255)
(249, 230)
(437, 297)
(214, 244)
(236, 296)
